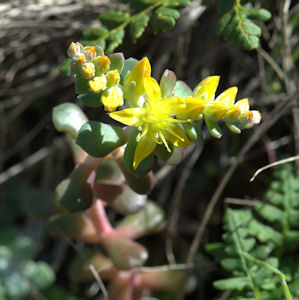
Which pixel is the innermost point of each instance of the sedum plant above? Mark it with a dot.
(20, 275)
(113, 164)
(259, 247)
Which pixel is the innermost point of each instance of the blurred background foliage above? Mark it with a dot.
(35, 158)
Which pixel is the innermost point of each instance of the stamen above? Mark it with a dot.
(164, 141)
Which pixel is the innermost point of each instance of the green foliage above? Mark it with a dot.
(164, 19)
(259, 250)
(163, 14)
(68, 118)
(138, 26)
(99, 139)
(19, 274)
(113, 18)
(236, 24)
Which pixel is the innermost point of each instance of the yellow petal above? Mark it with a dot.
(102, 64)
(206, 89)
(193, 108)
(177, 136)
(88, 70)
(112, 78)
(228, 96)
(138, 74)
(152, 89)
(243, 104)
(232, 114)
(112, 98)
(128, 116)
(97, 84)
(144, 148)
(215, 110)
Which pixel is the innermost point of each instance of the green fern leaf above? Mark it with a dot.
(113, 18)
(115, 40)
(236, 283)
(236, 25)
(138, 25)
(164, 19)
(177, 3)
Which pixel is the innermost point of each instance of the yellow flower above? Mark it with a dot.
(102, 64)
(134, 82)
(112, 78)
(112, 98)
(88, 70)
(224, 107)
(97, 84)
(156, 119)
(206, 89)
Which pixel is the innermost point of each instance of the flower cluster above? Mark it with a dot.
(164, 113)
(95, 73)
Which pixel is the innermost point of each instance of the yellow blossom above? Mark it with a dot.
(112, 98)
(97, 84)
(156, 119)
(134, 82)
(88, 70)
(112, 78)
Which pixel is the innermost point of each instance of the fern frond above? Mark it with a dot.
(259, 247)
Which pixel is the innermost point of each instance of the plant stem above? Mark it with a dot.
(282, 277)
(99, 218)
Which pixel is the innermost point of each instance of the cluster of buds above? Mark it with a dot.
(97, 75)
(224, 108)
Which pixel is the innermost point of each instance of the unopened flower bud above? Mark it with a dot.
(80, 59)
(112, 98)
(89, 52)
(74, 49)
(88, 70)
(112, 78)
(102, 64)
(99, 50)
(97, 84)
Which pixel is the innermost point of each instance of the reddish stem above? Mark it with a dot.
(99, 218)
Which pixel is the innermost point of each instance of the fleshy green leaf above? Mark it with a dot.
(213, 128)
(91, 99)
(75, 226)
(68, 118)
(99, 139)
(181, 89)
(125, 253)
(74, 193)
(117, 61)
(146, 221)
(40, 274)
(109, 173)
(82, 85)
(120, 197)
(167, 83)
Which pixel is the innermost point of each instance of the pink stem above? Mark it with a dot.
(99, 218)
